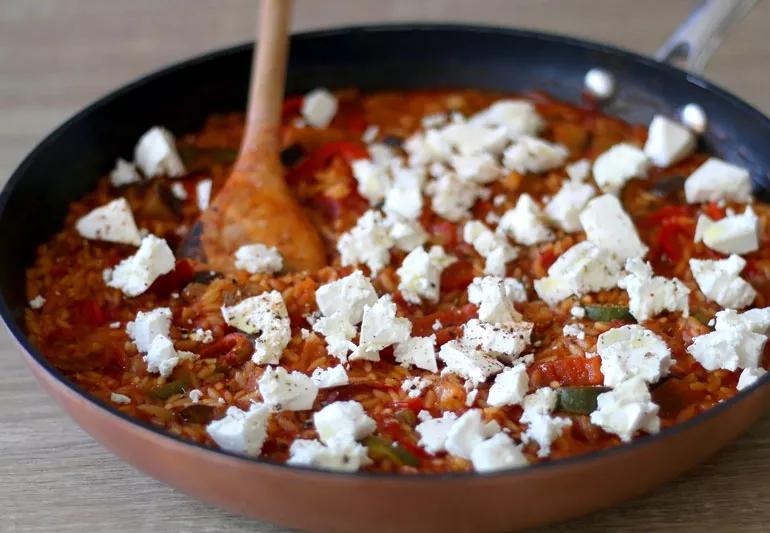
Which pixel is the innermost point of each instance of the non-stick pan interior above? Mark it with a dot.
(67, 164)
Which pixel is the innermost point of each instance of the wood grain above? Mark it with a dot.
(56, 57)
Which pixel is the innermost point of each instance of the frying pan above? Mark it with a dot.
(68, 163)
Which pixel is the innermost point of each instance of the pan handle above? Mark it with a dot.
(697, 38)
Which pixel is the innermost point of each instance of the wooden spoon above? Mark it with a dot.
(255, 204)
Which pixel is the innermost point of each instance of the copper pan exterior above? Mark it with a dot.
(321, 501)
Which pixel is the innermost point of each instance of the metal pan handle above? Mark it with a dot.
(697, 38)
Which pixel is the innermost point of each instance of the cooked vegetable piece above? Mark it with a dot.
(167, 390)
(607, 313)
(578, 400)
(380, 448)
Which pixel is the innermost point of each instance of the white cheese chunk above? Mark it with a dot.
(453, 198)
(468, 432)
(633, 351)
(608, 226)
(240, 431)
(195, 395)
(112, 222)
(525, 223)
(506, 341)
(121, 399)
(136, 273)
(510, 387)
(368, 242)
(380, 328)
(414, 386)
(161, 356)
(406, 234)
(420, 274)
(694, 117)
(574, 330)
(599, 83)
(668, 142)
(343, 455)
(417, 351)
(201, 335)
(749, 376)
(370, 133)
(434, 431)
(495, 298)
(340, 420)
(533, 155)
(717, 180)
(493, 246)
(497, 453)
(338, 333)
(124, 173)
(373, 179)
(650, 295)
(178, 191)
(319, 107)
(627, 409)
(467, 362)
(582, 269)
(203, 194)
(37, 302)
(518, 117)
(579, 170)
(429, 147)
(148, 325)
(326, 378)
(737, 341)
(470, 138)
(284, 391)
(565, 206)
(621, 163)
(720, 281)
(477, 168)
(404, 197)
(266, 317)
(258, 258)
(734, 234)
(542, 428)
(347, 296)
(156, 155)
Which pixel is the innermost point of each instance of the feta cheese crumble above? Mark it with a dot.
(380, 328)
(737, 341)
(121, 399)
(203, 194)
(720, 281)
(599, 83)
(497, 453)
(434, 431)
(532, 155)
(467, 432)
(37, 302)
(503, 340)
(574, 330)
(368, 242)
(343, 420)
(452, 198)
(338, 333)
(734, 234)
(178, 191)
(124, 173)
(518, 117)
(417, 351)
(264, 316)
(420, 274)
(319, 107)
(195, 396)
(205, 336)
(477, 168)
(240, 431)
(650, 295)
(493, 246)
(633, 351)
(717, 180)
(608, 226)
(347, 297)
(343, 455)
(161, 356)
(542, 428)
(582, 269)
(414, 386)
(626, 410)
(326, 378)
(112, 222)
(136, 273)
(406, 234)
(258, 258)
(565, 206)
(668, 142)
(525, 223)
(467, 362)
(156, 155)
(494, 298)
(749, 376)
(510, 387)
(284, 391)
(148, 325)
(621, 163)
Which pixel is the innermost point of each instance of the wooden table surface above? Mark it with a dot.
(56, 56)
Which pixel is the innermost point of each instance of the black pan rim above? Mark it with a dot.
(565, 463)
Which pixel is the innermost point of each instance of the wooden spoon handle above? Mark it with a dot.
(268, 80)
